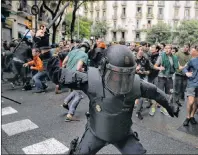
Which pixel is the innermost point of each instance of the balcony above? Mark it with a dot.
(149, 26)
(161, 3)
(123, 16)
(114, 39)
(115, 4)
(160, 16)
(97, 19)
(137, 39)
(124, 3)
(114, 17)
(104, 18)
(149, 16)
(177, 5)
(139, 3)
(186, 17)
(7, 4)
(150, 3)
(176, 17)
(24, 10)
(138, 15)
(97, 8)
(187, 5)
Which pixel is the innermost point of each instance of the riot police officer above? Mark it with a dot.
(112, 89)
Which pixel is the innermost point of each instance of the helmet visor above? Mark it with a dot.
(119, 80)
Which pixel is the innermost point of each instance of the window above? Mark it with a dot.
(114, 24)
(160, 11)
(137, 24)
(124, 11)
(187, 13)
(139, 9)
(149, 10)
(114, 35)
(137, 35)
(177, 3)
(149, 23)
(104, 13)
(176, 12)
(196, 13)
(123, 35)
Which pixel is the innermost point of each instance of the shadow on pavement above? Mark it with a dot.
(191, 129)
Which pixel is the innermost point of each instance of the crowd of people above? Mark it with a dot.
(173, 70)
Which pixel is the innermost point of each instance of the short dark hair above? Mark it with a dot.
(176, 49)
(158, 48)
(163, 44)
(143, 43)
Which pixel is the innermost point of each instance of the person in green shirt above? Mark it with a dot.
(180, 81)
(76, 60)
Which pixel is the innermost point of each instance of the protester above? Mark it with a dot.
(191, 71)
(143, 70)
(180, 78)
(37, 64)
(167, 64)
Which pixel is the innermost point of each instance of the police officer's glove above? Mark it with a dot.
(172, 109)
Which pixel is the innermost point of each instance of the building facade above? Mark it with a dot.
(19, 16)
(127, 19)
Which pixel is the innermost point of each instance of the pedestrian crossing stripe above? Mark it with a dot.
(17, 127)
(8, 111)
(49, 146)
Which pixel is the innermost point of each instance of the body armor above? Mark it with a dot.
(110, 116)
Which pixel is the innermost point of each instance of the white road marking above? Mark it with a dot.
(49, 146)
(8, 111)
(18, 127)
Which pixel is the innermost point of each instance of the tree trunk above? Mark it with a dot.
(54, 33)
(73, 22)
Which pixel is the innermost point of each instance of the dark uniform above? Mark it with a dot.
(112, 91)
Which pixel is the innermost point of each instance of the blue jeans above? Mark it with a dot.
(76, 97)
(38, 79)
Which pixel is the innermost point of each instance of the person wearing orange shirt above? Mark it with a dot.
(37, 65)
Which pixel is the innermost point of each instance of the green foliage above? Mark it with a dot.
(160, 32)
(99, 29)
(84, 24)
(187, 32)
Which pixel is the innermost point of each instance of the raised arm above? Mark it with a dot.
(150, 91)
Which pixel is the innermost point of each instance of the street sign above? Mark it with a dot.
(35, 10)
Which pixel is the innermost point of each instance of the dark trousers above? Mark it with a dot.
(91, 144)
(19, 71)
(165, 84)
(180, 84)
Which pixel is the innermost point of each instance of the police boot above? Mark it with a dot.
(73, 146)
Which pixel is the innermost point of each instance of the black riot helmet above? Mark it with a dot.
(85, 46)
(118, 69)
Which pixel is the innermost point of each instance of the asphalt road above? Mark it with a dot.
(38, 126)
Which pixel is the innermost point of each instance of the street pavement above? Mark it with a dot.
(37, 126)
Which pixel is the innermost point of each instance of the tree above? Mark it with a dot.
(160, 32)
(84, 26)
(76, 6)
(100, 29)
(187, 32)
(53, 11)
